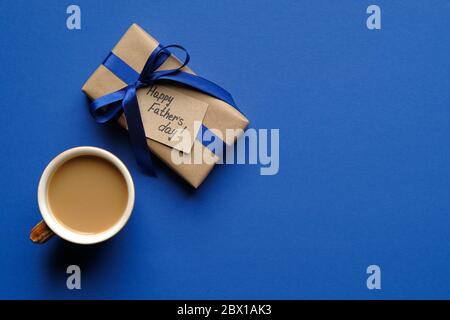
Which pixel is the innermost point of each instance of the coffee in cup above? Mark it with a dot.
(85, 195)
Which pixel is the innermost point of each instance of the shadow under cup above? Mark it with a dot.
(86, 195)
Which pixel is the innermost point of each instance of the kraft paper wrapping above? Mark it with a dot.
(134, 48)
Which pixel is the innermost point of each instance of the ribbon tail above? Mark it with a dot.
(136, 132)
(200, 84)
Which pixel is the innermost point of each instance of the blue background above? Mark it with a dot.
(364, 149)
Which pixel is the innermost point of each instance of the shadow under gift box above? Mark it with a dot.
(134, 48)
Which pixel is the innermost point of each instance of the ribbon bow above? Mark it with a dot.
(108, 107)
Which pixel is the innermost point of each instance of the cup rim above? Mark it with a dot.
(50, 219)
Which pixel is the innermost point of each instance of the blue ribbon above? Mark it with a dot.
(108, 107)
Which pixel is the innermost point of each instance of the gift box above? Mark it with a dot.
(156, 103)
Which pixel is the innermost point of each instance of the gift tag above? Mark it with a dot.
(170, 117)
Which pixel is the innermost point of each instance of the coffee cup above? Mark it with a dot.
(85, 196)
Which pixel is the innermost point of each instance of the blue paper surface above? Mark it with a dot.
(364, 152)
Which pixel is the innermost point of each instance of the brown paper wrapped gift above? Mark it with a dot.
(134, 48)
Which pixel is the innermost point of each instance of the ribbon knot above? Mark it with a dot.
(110, 106)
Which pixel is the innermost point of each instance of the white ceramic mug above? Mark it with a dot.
(50, 225)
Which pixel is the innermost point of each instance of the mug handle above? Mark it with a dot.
(41, 233)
